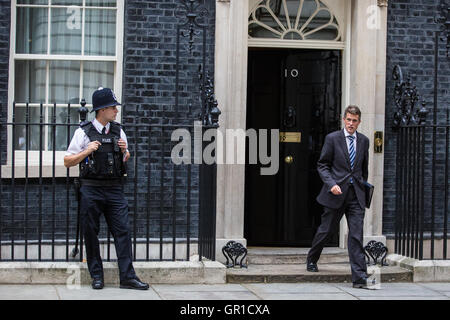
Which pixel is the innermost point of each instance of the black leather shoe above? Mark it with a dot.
(97, 283)
(311, 267)
(365, 283)
(134, 284)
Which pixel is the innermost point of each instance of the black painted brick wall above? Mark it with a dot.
(411, 44)
(149, 96)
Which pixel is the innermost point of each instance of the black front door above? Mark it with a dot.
(299, 93)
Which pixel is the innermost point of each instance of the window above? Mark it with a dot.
(293, 20)
(61, 51)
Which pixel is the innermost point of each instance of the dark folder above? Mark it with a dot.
(368, 189)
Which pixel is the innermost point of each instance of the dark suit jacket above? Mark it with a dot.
(334, 168)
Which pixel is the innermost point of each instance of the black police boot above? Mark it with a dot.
(98, 283)
(134, 283)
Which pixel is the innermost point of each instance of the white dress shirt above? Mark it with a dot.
(80, 140)
(348, 140)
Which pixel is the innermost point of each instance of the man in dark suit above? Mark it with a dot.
(343, 168)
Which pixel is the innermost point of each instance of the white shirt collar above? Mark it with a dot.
(99, 126)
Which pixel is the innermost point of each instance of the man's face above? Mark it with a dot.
(351, 122)
(109, 113)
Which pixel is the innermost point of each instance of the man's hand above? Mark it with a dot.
(93, 146)
(336, 190)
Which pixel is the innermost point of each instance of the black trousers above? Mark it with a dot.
(111, 202)
(355, 221)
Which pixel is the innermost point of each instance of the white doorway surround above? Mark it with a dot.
(358, 28)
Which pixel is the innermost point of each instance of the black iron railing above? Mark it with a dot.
(172, 206)
(422, 191)
(422, 177)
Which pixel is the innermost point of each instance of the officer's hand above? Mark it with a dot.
(93, 146)
(122, 145)
(336, 190)
(126, 156)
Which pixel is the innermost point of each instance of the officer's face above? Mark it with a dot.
(110, 113)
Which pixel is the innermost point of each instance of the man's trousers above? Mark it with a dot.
(111, 202)
(355, 221)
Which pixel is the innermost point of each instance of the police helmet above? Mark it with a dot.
(103, 98)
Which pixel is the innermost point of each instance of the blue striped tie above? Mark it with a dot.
(352, 153)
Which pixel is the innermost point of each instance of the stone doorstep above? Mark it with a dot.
(286, 255)
(423, 270)
(293, 259)
(328, 273)
(178, 272)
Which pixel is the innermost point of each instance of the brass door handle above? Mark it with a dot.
(289, 159)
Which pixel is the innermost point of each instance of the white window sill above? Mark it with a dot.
(33, 171)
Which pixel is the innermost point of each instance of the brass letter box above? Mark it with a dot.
(295, 137)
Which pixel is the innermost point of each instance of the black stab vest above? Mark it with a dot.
(107, 162)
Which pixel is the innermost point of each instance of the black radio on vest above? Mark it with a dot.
(107, 161)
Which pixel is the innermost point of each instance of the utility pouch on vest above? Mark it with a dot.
(87, 167)
(110, 164)
(121, 165)
(84, 168)
(116, 144)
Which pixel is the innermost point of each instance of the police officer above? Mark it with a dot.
(100, 149)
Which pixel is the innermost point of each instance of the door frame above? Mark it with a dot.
(345, 76)
(364, 83)
(262, 57)
(230, 79)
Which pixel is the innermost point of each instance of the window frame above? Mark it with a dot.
(336, 9)
(47, 156)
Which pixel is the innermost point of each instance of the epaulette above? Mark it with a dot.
(116, 123)
(84, 123)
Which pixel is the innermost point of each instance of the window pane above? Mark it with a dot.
(31, 30)
(97, 74)
(293, 20)
(66, 31)
(61, 131)
(20, 140)
(64, 86)
(100, 32)
(101, 3)
(67, 2)
(30, 81)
